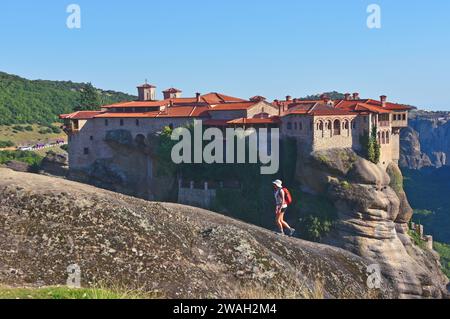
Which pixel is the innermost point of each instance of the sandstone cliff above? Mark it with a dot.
(47, 224)
(373, 216)
(426, 142)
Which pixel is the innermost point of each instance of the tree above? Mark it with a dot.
(376, 146)
(372, 149)
(89, 99)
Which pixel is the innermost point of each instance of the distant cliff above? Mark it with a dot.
(427, 140)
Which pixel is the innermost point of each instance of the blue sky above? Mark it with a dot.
(241, 48)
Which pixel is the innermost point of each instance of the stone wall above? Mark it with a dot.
(198, 197)
(334, 132)
(88, 145)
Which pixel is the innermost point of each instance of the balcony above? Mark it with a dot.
(384, 123)
(401, 123)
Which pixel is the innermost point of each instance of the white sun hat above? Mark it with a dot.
(278, 183)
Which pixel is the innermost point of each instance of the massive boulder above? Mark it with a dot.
(373, 216)
(55, 164)
(427, 141)
(411, 155)
(47, 224)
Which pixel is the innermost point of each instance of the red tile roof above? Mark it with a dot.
(146, 85)
(172, 90)
(271, 120)
(80, 115)
(316, 109)
(232, 106)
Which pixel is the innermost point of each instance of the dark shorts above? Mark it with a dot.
(283, 210)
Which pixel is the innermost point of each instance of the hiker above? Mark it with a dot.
(282, 201)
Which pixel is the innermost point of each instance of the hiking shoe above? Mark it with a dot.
(291, 232)
(280, 233)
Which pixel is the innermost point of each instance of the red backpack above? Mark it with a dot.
(287, 196)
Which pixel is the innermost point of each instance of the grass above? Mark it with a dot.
(416, 239)
(72, 293)
(29, 134)
(444, 251)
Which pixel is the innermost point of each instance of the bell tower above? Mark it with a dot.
(147, 92)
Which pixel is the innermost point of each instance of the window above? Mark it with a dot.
(289, 126)
(387, 138)
(300, 125)
(353, 124)
(346, 125)
(320, 126)
(86, 151)
(337, 127)
(137, 122)
(121, 122)
(383, 138)
(91, 138)
(295, 126)
(404, 117)
(106, 122)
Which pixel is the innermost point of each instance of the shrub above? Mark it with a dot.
(316, 215)
(18, 128)
(45, 130)
(28, 157)
(28, 128)
(55, 129)
(4, 144)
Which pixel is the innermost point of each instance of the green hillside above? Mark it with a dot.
(25, 101)
(428, 191)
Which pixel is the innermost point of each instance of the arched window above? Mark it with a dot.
(337, 127)
(140, 140)
(319, 127)
(387, 138)
(383, 138)
(346, 126)
(379, 137)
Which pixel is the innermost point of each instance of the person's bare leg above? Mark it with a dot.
(283, 223)
(279, 223)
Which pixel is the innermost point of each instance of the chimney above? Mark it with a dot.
(356, 96)
(383, 100)
(288, 98)
(325, 98)
(347, 96)
(198, 95)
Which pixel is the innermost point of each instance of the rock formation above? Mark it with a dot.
(47, 224)
(373, 216)
(55, 164)
(426, 142)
